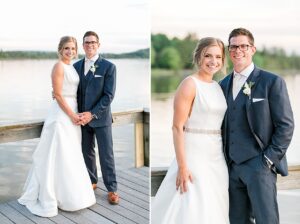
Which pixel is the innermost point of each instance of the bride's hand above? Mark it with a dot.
(75, 118)
(183, 176)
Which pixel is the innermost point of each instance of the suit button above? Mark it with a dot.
(232, 131)
(232, 143)
(233, 108)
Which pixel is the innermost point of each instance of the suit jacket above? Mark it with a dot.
(99, 92)
(269, 115)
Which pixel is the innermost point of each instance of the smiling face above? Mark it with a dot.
(90, 46)
(211, 60)
(241, 58)
(68, 52)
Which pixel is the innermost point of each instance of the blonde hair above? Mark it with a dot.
(202, 46)
(62, 43)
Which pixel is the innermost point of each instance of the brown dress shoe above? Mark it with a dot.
(94, 186)
(113, 198)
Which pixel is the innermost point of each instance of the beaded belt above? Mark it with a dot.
(202, 131)
(69, 95)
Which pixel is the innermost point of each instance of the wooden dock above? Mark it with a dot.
(133, 182)
(133, 188)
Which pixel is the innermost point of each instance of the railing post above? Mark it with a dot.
(146, 121)
(139, 144)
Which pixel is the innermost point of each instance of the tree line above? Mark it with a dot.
(143, 53)
(176, 54)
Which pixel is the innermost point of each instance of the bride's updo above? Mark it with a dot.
(202, 46)
(63, 41)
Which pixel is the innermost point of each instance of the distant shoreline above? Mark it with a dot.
(13, 55)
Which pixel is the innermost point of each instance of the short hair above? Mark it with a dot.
(63, 41)
(202, 46)
(91, 33)
(241, 32)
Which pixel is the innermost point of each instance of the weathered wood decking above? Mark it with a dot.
(133, 188)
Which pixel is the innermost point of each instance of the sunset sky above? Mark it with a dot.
(272, 22)
(123, 25)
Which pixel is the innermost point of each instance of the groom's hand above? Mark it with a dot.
(85, 117)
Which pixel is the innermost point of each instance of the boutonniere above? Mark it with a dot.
(93, 68)
(247, 89)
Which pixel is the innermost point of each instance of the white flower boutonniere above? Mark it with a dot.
(93, 68)
(247, 89)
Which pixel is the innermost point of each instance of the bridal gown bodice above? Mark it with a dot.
(58, 177)
(206, 201)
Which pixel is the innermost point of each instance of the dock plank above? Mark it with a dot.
(138, 176)
(4, 219)
(131, 198)
(123, 203)
(24, 211)
(14, 215)
(124, 189)
(132, 179)
(107, 213)
(134, 206)
(122, 211)
(133, 185)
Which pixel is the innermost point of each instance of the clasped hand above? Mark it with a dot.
(82, 118)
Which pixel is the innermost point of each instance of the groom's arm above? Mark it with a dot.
(282, 119)
(109, 89)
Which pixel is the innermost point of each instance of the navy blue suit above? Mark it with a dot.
(255, 127)
(95, 94)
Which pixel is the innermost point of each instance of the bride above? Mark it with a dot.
(58, 177)
(195, 189)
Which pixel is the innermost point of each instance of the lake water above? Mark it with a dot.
(25, 87)
(162, 150)
(25, 94)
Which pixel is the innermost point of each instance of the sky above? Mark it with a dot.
(274, 23)
(122, 25)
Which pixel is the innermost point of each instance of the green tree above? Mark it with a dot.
(159, 41)
(153, 55)
(186, 48)
(170, 58)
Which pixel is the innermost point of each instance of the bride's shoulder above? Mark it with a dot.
(189, 81)
(187, 86)
(58, 65)
(58, 69)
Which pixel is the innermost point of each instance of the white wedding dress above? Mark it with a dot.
(207, 199)
(58, 177)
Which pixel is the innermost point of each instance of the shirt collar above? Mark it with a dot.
(247, 71)
(93, 59)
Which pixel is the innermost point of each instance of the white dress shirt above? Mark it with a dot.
(240, 78)
(89, 62)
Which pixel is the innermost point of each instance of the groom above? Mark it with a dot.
(95, 93)
(257, 131)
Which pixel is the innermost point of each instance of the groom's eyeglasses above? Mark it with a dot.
(242, 47)
(90, 42)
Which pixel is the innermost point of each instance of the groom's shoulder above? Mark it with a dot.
(270, 76)
(225, 79)
(77, 63)
(107, 62)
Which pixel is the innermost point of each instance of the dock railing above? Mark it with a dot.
(139, 117)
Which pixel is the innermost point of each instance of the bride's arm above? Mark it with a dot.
(183, 102)
(57, 85)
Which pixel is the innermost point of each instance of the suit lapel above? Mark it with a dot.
(228, 86)
(97, 71)
(81, 68)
